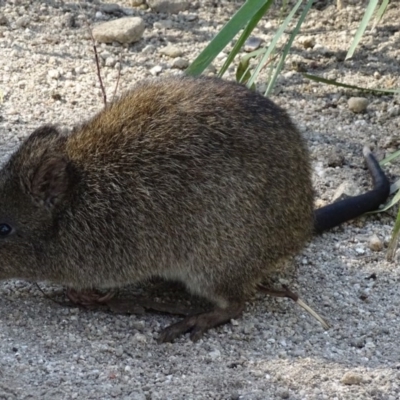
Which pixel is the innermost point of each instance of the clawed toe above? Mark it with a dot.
(198, 324)
(171, 332)
(88, 297)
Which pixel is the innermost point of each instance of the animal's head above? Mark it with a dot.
(34, 186)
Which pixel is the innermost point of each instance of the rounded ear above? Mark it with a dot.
(43, 132)
(50, 182)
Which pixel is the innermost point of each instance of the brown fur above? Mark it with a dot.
(197, 180)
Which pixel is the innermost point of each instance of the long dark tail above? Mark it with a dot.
(341, 211)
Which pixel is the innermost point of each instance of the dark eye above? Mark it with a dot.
(5, 230)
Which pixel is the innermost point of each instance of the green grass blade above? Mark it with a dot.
(390, 158)
(243, 68)
(245, 34)
(272, 81)
(389, 204)
(394, 240)
(380, 12)
(394, 187)
(345, 85)
(362, 27)
(272, 46)
(282, 11)
(225, 35)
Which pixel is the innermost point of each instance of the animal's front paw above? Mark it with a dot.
(88, 297)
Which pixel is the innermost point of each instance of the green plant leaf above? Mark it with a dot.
(380, 12)
(393, 201)
(394, 187)
(345, 85)
(242, 71)
(272, 46)
(225, 35)
(390, 158)
(362, 27)
(243, 68)
(272, 81)
(245, 34)
(394, 240)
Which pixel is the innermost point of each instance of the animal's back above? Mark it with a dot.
(199, 179)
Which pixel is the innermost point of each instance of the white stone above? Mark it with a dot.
(121, 30)
(375, 243)
(171, 51)
(357, 104)
(168, 6)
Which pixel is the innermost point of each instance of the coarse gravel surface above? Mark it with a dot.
(275, 351)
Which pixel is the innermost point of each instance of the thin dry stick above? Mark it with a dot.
(119, 76)
(269, 61)
(60, 303)
(96, 59)
(98, 68)
(295, 297)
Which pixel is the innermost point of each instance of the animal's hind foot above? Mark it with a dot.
(198, 324)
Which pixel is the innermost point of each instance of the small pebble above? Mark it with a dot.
(377, 75)
(22, 22)
(307, 42)
(3, 20)
(214, 354)
(156, 70)
(252, 43)
(110, 62)
(357, 104)
(140, 338)
(283, 393)
(110, 8)
(335, 159)
(171, 51)
(375, 243)
(191, 17)
(168, 6)
(393, 111)
(53, 74)
(164, 24)
(352, 378)
(321, 49)
(180, 63)
(150, 48)
(121, 30)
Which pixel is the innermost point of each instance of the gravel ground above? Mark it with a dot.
(275, 350)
